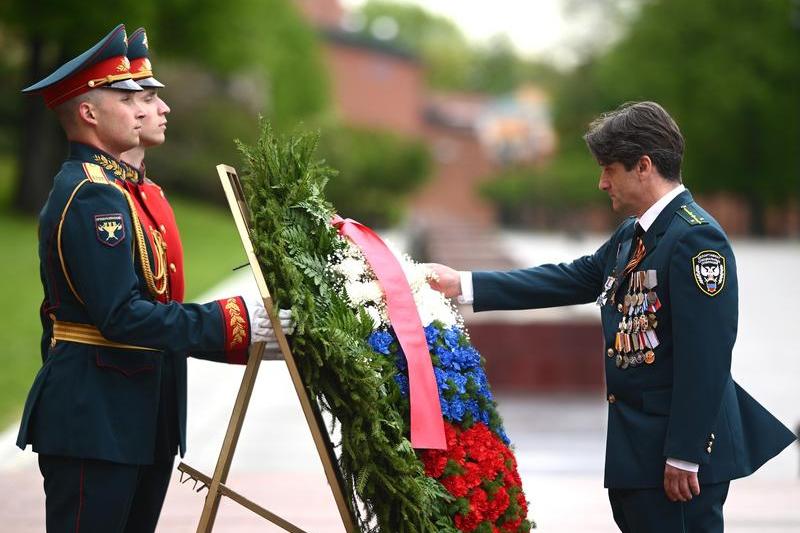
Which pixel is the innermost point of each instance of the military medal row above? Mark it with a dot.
(636, 340)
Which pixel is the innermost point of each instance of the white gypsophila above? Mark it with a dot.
(362, 289)
(432, 305)
(352, 269)
(416, 273)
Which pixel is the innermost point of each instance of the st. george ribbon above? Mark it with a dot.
(427, 425)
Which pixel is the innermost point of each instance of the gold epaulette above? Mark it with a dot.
(95, 173)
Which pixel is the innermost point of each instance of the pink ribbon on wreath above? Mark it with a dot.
(427, 424)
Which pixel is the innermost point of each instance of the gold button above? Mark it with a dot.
(172, 267)
(708, 449)
(163, 228)
(619, 307)
(612, 398)
(52, 342)
(144, 196)
(52, 317)
(610, 352)
(712, 436)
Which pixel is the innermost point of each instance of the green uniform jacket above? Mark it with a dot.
(102, 402)
(685, 405)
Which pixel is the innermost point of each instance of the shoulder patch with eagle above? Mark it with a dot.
(709, 272)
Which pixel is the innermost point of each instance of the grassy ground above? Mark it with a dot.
(211, 246)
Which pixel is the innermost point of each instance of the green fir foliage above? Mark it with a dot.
(293, 240)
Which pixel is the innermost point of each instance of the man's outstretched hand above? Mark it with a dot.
(444, 279)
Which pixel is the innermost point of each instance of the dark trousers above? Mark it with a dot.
(91, 496)
(649, 510)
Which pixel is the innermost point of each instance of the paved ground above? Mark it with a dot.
(559, 440)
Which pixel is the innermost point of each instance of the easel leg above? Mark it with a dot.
(231, 439)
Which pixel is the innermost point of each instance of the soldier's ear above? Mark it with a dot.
(87, 112)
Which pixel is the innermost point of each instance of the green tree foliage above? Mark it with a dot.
(266, 37)
(726, 70)
(377, 172)
(451, 61)
(442, 46)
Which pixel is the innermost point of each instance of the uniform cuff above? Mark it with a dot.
(467, 295)
(237, 329)
(683, 465)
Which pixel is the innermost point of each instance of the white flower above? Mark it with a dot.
(432, 305)
(361, 293)
(351, 268)
(375, 314)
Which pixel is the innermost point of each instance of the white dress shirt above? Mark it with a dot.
(646, 220)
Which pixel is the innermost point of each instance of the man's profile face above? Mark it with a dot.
(119, 119)
(154, 123)
(622, 186)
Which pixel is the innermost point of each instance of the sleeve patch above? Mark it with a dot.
(709, 272)
(110, 229)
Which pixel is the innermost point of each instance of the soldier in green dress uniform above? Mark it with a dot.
(679, 428)
(107, 410)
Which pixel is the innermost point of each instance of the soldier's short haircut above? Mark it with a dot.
(636, 129)
(67, 112)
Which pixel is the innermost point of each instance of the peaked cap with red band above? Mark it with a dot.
(139, 56)
(103, 65)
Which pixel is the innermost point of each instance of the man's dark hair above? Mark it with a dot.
(636, 129)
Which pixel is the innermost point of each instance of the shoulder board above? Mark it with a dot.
(688, 213)
(95, 173)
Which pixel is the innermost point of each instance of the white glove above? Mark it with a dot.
(260, 325)
(271, 350)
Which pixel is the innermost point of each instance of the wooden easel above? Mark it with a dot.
(216, 484)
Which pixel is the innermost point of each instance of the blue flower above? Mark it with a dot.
(445, 356)
(459, 381)
(402, 382)
(457, 410)
(441, 379)
(502, 434)
(451, 337)
(468, 357)
(474, 409)
(431, 335)
(400, 361)
(380, 341)
(445, 405)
